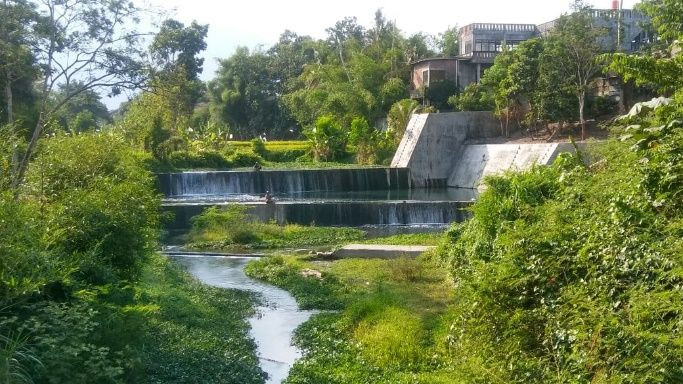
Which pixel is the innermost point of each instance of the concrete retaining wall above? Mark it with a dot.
(434, 141)
(435, 150)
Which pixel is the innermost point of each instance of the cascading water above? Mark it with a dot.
(283, 181)
(324, 197)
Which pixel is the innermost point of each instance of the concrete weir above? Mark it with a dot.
(436, 149)
(334, 213)
(282, 181)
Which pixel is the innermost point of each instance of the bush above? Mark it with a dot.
(366, 140)
(328, 140)
(245, 159)
(102, 206)
(569, 274)
(203, 159)
(258, 146)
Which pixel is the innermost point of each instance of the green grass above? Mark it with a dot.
(232, 229)
(390, 316)
(408, 239)
(273, 236)
(280, 145)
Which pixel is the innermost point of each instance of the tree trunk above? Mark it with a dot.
(582, 102)
(9, 99)
(23, 164)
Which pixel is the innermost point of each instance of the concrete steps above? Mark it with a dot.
(378, 251)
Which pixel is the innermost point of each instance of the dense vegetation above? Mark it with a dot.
(81, 285)
(565, 273)
(233, 229)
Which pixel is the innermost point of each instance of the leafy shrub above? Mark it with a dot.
(245, 159)
(399, 117)
(202, 159)
(438, 93)
(258, 146)
(365, 139)
(569, 274)
(64, 336)
(327, 138)
(102, 204)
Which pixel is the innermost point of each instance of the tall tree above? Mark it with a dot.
(243, 95)
(175, 51)
(576, 44)
(93, 42)
(449, 43)
(82, 112)
(17, 69)
(177, 46)
(346, 35)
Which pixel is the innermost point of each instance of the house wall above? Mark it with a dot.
(447, 65)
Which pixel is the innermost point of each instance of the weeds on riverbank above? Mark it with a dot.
(568, 273)
(191, 332)
(232, 228)
(389, 312)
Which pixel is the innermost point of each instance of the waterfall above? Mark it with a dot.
(283, 181)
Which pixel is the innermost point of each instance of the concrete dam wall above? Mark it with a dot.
(335, 213)
(436, 150)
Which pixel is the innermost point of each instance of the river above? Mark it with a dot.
(277, 316)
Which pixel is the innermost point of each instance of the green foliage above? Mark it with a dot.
(258, 146)
(472, 98)
(310, 292)
(439, 92)
(449, 42)
(389, 309)
(573, 271)
(666, 18)
(328, 141)
(206, 159)
(233, 228)
(399, 117)
(64, 336)
(93, 183)
(184, 331)
(392, 91)
(366, 140)
(663, 71)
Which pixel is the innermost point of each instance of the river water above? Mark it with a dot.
(276, 318)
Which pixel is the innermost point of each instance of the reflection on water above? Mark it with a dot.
(276, 319)
(418, 194)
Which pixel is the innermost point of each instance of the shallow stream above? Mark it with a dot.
(276, 318)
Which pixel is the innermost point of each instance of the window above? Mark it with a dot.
(436, 75)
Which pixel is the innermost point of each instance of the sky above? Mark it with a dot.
(254, 23)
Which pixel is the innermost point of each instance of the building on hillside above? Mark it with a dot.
(480, 43)
(632, 35)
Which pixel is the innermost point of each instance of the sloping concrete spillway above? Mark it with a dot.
(438, 149)
(327, 197)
